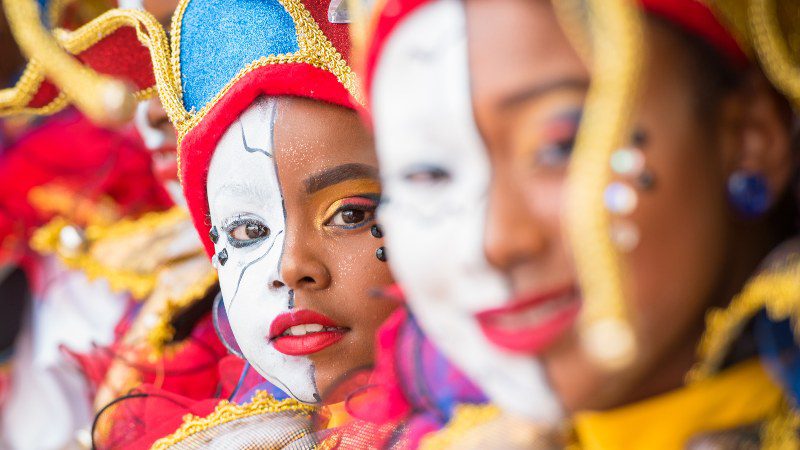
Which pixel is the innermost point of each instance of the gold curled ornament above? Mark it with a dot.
(103, 99)
(616, 30)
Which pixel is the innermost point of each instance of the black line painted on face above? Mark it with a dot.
(281, 385)
(241, 275)
(252, 149)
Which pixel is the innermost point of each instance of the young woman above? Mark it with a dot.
(700, 194)
(281, 180)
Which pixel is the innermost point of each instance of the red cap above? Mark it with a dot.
(692, 15)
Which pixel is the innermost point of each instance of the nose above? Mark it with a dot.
(512, 235)
(301, 267)
(157, 118)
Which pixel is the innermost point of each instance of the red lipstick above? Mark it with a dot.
(303, 332)
(531, 323)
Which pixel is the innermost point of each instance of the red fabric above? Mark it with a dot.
(697, 19)
(383, 400)
(692, 15)
(197, 147)
(71, 154)
(46, 93)
(120, 54)
(337, 33)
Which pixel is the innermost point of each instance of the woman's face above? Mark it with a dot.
(436, 178)
(474, 138)
(528, 88)
(292, 191)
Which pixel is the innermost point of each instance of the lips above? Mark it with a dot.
(303, 332)
(165, 164)
(532, 323)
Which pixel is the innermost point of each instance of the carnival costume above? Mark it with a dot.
(724, 404)
(149, 256)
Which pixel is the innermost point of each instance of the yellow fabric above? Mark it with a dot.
(338, 415)
(741, 395)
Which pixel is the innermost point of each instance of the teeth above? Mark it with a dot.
(302, 330)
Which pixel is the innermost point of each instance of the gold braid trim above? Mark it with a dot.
(773, 49)
(778, 291)
(15, 100)
(114, 104)
(315, 49)
(46, 240)
(162, 332)
(465, 418)
(225, 412)
(780, 431)
(605, 331)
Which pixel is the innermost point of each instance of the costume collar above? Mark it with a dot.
(741, 395)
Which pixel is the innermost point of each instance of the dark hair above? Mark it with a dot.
(712, 73)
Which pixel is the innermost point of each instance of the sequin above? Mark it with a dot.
(620, 198)
(627, 162)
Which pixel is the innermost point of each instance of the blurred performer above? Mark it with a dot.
(166, 336)
(63, 167)
(674, 200)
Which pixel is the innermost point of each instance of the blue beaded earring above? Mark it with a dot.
(748, 193)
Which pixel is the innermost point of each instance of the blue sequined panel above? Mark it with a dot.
(221, 37)
(780, 351)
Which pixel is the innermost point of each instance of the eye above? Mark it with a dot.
(428, 174)
(353, 213)
(244, 231)
(560, 136)
(555, 154)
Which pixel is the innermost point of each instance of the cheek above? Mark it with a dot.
(681, 256)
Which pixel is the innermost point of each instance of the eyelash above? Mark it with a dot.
(563, 142)
(350, 204)
(231, 224)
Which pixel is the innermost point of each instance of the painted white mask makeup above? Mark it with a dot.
(436, 176)
(155, 140)
(246, 208)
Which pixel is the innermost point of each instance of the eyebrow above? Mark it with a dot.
(338, 174)
(538, 90)
(242, 190)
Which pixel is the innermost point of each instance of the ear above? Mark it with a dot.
(765, 134)
(760, 122)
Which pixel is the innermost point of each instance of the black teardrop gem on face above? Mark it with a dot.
(380, 253)
(214, 235)
(646, 181)
(639, 138)
(223, 256)
(376, 231)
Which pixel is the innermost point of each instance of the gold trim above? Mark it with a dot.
(466, 417)
(605, 331)
(114, 104)
(777, 291)
(162, 331)
(773, 50)
(780, 431)
(15, 100)
(225, 412)
(46, 240)
(315, 49)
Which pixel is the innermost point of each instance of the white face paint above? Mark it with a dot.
(164, 162)
(436, 177)
(243, 191)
